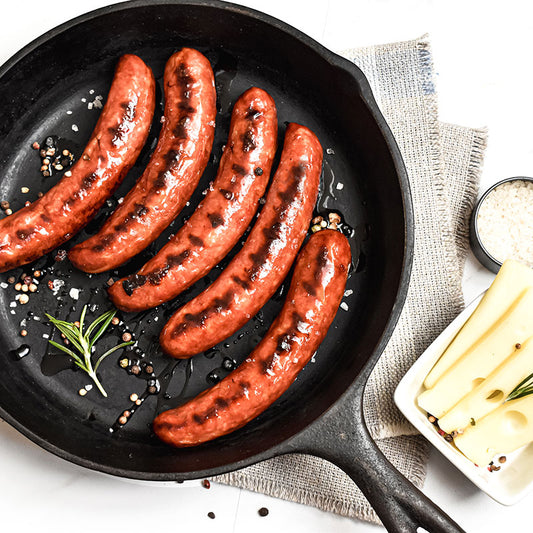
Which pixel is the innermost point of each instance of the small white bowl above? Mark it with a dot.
(508, 485)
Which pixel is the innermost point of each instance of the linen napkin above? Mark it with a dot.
(444, 165)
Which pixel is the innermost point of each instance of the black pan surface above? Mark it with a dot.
(45, 90)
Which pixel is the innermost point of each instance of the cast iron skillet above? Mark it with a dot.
(321, 414)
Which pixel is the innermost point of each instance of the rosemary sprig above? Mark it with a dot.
(83, 342)
(524, 388)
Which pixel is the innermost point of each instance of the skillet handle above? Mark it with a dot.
(342, 438)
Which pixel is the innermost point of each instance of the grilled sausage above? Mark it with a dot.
(258, 269)
(172, 174)
(221, 218)
(313, 299)
(114, 145)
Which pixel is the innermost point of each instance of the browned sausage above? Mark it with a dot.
(258, 269)
(114, 145)
(220, 219)
(172, 174)
(313, 299)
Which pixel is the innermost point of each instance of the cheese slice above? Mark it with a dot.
(492, 392)
(511, 281)
(516, 326)
(504, 430)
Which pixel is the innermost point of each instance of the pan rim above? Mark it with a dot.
(367, 96)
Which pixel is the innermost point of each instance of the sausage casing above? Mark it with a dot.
(171, 176)
(115, 144)
(265, 259)
(313, 298)
(220, 219)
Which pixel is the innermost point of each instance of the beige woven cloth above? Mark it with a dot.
(444, 165)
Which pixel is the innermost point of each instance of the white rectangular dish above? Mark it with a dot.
(508, 485)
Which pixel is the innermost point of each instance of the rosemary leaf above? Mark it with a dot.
(104, 326)
(97, 322)
(84, 344)
(66, 350)
(524, 388)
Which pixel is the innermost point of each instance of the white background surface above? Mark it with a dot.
(482, 53)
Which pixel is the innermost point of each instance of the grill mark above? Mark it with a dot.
(221, 403)
(196, 241)
(167, 426)
(298, 173)
(133, 282)
(220, 304)
(309, 289)
(138, 211)
(322, 257)
(185, 106)
(104, 242)
(24, 235)
(215, 219)
(260, 257)
(171, 158)
(268, 364)
(238, 169)
(241, 282)
(198, 319)
(205, 416)
(198, 419)
(160, 182)
(120, 131)
(252, 113)
(228, 195)
(88, 180)
(177, 260)
(181, 130)
(183, 76)
(248, 141)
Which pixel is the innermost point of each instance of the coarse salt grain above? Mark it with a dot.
(74, 293)
(344, 306)
(505, 222)
(74, 127)
(340, 186)
(56, 285)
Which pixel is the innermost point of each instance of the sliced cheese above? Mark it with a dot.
(512, 279)
(492, 392)
(516, 326)
(504, 430)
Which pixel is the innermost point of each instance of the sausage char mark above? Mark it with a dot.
(242, 282)
(228, 195)
(252, 113)
(196, 241)
(215, 219)
(238, 169)
(123, 127)
(309, 289)
(198, 319)
(25, 234)
(248, 141)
